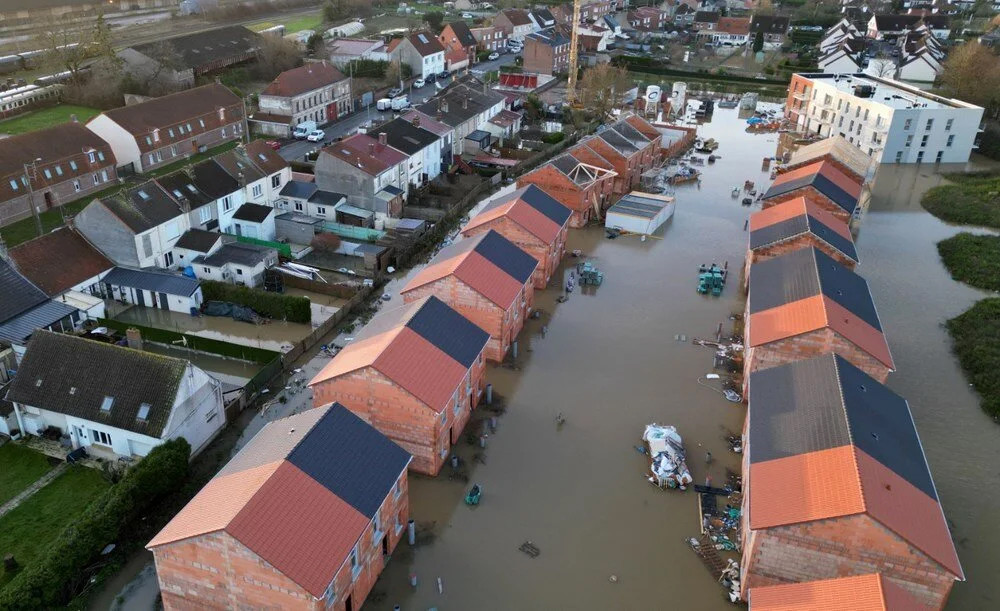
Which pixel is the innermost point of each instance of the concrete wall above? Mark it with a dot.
(333, 174)
(105, 231)
(123, 145)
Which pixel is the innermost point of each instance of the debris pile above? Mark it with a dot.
(667, 459)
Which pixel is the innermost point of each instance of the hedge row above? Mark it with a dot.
(648, 66)
(62, 569)
(973, 259)
(204, 344)
(270, 305)
(973, 199)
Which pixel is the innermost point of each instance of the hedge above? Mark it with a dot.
(62, 569)
(973, 259)
(972, 199)
(270, 305)
(646, 65)
(204, 344)
(976, 334)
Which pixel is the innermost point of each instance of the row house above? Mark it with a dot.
(51, 167)
(459, 45)
(844, 57)
(581, 186)
(891, 27)
(838, 33)
(542, 18)
(684, 16)
(837, 151)
(705, 20)
(421, 51)
(439, 129)
(836, 484)
(728, 31)
(235, 262)
(798, 224)
(372, 174)
(533, 220)
(25, 310)
(648, 19)
(316, 91)
(415, 373)
(421, 147)
(865, 592)
(488, 280)
(490, 38)
(154, 288)
(303, 197)
(305, 516)
(515, 22)
(803, 304)
(112, 400)
(820, 182)
(546, 52)
(464, 106)
(774, 28)
(629, 151)
(160, 131)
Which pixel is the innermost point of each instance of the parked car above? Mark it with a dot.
(400, 103)
(383, 104)
(443, 75)
(417, 84)
(316, 136)
(274, 144)
(304, 129)
(467, 16)
(494, 55)
(394, 92)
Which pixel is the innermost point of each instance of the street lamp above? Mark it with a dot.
(30, 175)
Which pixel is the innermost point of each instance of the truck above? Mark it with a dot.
(400, 103)
(304, 129)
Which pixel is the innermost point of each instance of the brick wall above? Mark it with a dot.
(181, 149)
(52, 196)
(622, 165)
(580, 201)
(811, 195)
(547, 255)
(841, 547)
(797, 243)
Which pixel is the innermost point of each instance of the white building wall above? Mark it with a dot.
(227, 208)
(124, 146)
(198, 412)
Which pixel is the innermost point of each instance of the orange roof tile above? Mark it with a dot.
(860, 333)
(796, 207)
(473, 269)
(356, 355)
(643, 126)
(524, 215)
(870, 592)
(422, 369)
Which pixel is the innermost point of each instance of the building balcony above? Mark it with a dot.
(801, 96)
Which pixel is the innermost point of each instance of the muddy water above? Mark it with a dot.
(275, 335)
(231, 372)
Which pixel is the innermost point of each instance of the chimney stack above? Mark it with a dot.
(383, 138)
(465, 102)
(416, 120)
(134, 338)
(371, 148)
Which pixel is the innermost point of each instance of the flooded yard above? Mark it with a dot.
(276, 335)
(233, 373)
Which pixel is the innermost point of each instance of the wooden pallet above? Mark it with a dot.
(709, 556)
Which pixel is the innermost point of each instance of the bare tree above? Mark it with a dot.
(602, 88)
(972, 73)
(881, 66)
(158, 76)
(277, 55)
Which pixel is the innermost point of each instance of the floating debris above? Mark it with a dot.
(667, 457)
(530, 549)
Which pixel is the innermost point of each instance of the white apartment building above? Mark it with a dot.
(891, 121)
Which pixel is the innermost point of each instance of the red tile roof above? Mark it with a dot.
(824, 168)
(59, 260)
(870, 592)
(366, 153)
(521, 213)
(733, 25)
(797, 207)
(305, 78)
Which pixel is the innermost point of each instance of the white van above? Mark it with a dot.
(400, 103)
(304, 129)
(383, 104)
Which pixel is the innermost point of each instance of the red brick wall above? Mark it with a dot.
(811, 195)
(797, 243)
(580, 201)
(625, 167)
(793, 107)
(215, 571)
(841, 547)
(548, 255)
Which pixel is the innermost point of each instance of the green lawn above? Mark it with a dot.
(973, 259)
(19, 467)
(305, 22)
(46, 117)
(42, 518)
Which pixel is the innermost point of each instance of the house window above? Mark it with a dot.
(920, 157)
(257, 190)
(173, 150)
(152, 159)
(76, 185)
(940, 154)
(59, 171)
(355, 565)
(948, 124)
(457, 404)
(223, 131)
(72, 165)
(298, 206)
(143, 412)
(239, 271)
(97, 179)
(106, 404)
(207, 270)
(275, 181)
(923, 141)
(227, 203)
(201, 122)
(13, 185)
(170, 132)
(168, 259)
(104, 176)
(204, 214)
(376, 521)
(907, 124)
(90, 157)
(951, 139)
(47, 173)
(100, 155)
(100, 437)
(330, 595)
(930, 122)
(909, 140)
(320, 210)
(159, 155)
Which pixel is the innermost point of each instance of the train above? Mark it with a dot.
(19, 96)
(27, 59)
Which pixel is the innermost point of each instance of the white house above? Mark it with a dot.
(465, 106)
(154, 289)
(422, 147)
(254, 221)
(840, 59)
(228, 193)
(345, 50)
(315, 91)
(111, 400)
(236, 263)
(277, 172)
(422, 51)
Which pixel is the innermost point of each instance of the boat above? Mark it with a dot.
(475, 493)
(708, 146)
(712, 158)
(684, 175)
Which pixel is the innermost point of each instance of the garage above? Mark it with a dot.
(640, 213)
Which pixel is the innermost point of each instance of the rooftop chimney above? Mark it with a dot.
(371, 148)
(416, 120)
(383, 138)
(465, 102)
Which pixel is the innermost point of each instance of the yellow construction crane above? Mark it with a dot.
(571, 84)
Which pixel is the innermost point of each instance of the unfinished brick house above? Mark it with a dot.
(803, 304)
(651, 133)
(871, 592)
(305, 516)
(414, 373)
(820, 182)
(795, 224)
(533, 220)
(488, 280)
(836, 484)
(581, 186)
(628, 150)
(844, 156)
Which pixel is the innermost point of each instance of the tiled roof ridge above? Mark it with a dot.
(850, 433)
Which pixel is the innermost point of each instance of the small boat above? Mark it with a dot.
(747, 201)
(711, 158)
(732, 395)
(475, 493)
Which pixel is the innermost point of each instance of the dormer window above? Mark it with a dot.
(156, 135)
(222, 114)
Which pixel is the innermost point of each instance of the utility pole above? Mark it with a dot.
(30, 174)
(571, 83)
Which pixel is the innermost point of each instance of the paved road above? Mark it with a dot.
(297, 149)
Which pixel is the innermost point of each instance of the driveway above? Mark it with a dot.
(296, 150)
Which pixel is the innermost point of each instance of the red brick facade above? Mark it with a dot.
(400, 416)
(548, 255)
(578, 199)
(215, 571)
(813, 196)
(502, 325)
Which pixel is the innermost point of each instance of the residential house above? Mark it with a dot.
(546, 52)
(652, 134)
(843, 58)
(532, 220)
(180, 60)
(515, 23)
(25, 309)
(504, 126)
(153, 288)
(421, 147)
(305, 516)
(199, 207)
(197, 242)
(705, 20)
(891, 27)
(439, 129)
(421, 51)
(259, 168)
(459, 45)
(415, 373)
(372, 174)
(51, 167)
(836, 484)
(594, 38)
(728, 31)
(865, 592)
(236, 263)
(922, 58)
(66, 267)
(773, 27)
(315, 91)
(254, 221)
(820, 182)
(226, 191)
(796, 224)
(343, 51)
(137, 227)
(111, 400)
(838, 33)
(803, 303)
(159, 131)
(581, 186)
(542, 18)
(465, 106)
(629, 152)
(490, 38)
(488, 280)
(648, 18)
(590, 11)
(684, 16)
(836, 150)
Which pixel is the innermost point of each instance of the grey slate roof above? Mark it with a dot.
(405, 136)
(198, 240)
(150, 280)
(254, 213)
(206, 47)
(18, 294)
(798, 225)
(501, 252)
(22, 326)
(326, 198)
(72, 375)
(213, 179)
(452, 333)
(179, 184)
(299, 189)
(144, 207)
(238, 253)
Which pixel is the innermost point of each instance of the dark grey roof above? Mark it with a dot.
(213, 179)
(144, 207)
(6, 407)
(150, 280)
(537, 199)
(636, 205)
(296, 217)
(452, 333)
(198, 240)
(299, 189)
(636, 137)
(479, 135)
(237, 253)
(405, 136)
(566, 163)
(825, 402)
(179, 184)
(501, 252)
(327, 198)
(203, 48)
(449, 103)
(351, 459)
(22, 326)
(706, 17)
(618, 142)
(552, 38)
(425, 43)
(768, 24)
(18, 294)
(807, 272)
(463, 33)
(799, 225)
(72, 375)
(254, 213)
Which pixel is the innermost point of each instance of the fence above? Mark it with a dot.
(204, 344)
(352, 232)
(284, 249)
(344, 291)
(319, 332)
